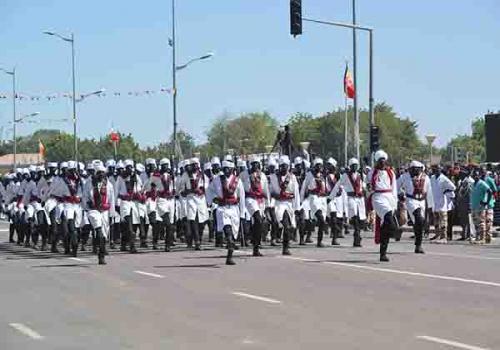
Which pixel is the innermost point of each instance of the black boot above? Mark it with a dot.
(256, 251)
(383, 252)
(320, 239)
(334, 240)
(229, 258)
(102, 261)
(419, 250)
(357, 239)
(74, 250)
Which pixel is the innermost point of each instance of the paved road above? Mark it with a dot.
(335, 297)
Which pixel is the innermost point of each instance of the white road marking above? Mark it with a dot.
(149, 274)
(26, 330)
(256, 297)
(450, 343)
(465, 256)
(402, 272)
(418, 274)
(297, 258)
(80, 260)
(4, 230)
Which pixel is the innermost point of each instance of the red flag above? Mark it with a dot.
(114, 136)
(41, 148)
(348, 83)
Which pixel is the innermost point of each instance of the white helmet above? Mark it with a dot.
(120, 165)
(254, 159)
(140, 168)
(110, 163)
(165, 161)
(241, 163)
(150, 161)
(72, 164)
(64, 165)
(332, 161)
(416, 164)
(128, 162)
(317, 161)
(227, 164)
(100, 167)
(52, 165)
(353, 161)
(32, 168)
(215, 160)
(284, 160)
(207, 166)
(380, 154)
(298, 160)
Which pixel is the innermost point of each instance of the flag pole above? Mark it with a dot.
(345, 129)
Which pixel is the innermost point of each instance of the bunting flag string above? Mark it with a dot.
(56, 96)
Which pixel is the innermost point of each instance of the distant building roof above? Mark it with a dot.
(21, 159)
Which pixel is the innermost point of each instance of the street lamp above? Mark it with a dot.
(175, 68)
(430, 139)
(13, 74)
(73, 96)
(98, 92)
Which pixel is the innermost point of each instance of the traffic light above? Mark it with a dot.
(295, 17)
(374, 139)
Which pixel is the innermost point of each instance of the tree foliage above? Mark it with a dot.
(468, 147)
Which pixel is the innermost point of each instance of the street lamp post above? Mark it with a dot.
(370, 97)
(430, 139)
(71, 40)
(175, 68)
(13, 74)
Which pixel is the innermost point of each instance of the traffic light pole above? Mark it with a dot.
(370, 97)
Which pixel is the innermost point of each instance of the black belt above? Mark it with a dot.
(416, 198)
(353, 194)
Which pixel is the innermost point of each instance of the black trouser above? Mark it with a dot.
(257, 229)
(301, 223)
(85, 234)
(418, 226)
(101, 243)
(275, 229)
(168, 227)
(388, 228)
(228, 232)
(43, 227)
(143, 233)
(70, 234)
(192, 234)
(356, 224)
(115, 230)
(449, 228)
(321, 226)
(128, 233)
(155, 227)
(334, 225)
(287, 230)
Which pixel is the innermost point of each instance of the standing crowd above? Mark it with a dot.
(241, 202)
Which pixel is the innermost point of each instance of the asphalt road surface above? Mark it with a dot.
(329, 298)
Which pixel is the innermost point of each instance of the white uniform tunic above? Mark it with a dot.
(443, 192)
(69, 191)
(161, 187)
(355, 196)
(228, 214)
(44, 191)
(12, 192)
(384, 197)
(256, 192)
(31, 199)
(196, 203)
(417, 191)
(285, 190)
(99, 215)
(129, 195)
(314, 191)
(180, 205)
(115, 219)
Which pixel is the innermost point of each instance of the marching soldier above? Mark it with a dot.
(229, 195)
(284, 189)
(129, 191)
(256, 200)
(352, 183)
(383, 198)
(99, 199)
(416, 187)
(335, 210)
(314, 191)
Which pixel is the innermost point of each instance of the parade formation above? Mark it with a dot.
(241, 201)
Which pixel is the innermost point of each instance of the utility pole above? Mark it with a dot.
(355, 75)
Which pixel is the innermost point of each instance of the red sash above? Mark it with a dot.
(228, 191)
(320, 189)
(356, 184)
(166, 193)
(375, 175)
(101, 197)
(284, 195)
(256, 191)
